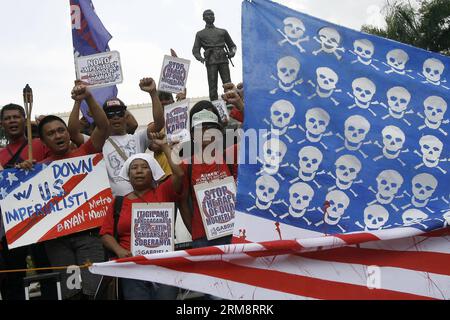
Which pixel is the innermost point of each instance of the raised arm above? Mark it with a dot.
(148, 85)
(177, 173)
(132, 124)
(74, 125)
(100, 133)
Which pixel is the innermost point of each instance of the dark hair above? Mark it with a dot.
(46, 120)
(12, 106)
(162, 95)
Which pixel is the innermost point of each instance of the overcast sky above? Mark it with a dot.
(36, 41)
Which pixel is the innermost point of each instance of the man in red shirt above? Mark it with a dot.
(16, 151)
(79, 248)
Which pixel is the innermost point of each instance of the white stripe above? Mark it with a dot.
(422, 244)
(196, 282)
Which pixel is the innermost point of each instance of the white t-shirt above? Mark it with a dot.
(131, 145)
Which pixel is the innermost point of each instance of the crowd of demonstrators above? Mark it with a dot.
(135, 176)
(144, 173)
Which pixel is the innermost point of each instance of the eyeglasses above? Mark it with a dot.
(112, 114)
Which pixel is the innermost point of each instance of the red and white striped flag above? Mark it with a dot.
(330, 267)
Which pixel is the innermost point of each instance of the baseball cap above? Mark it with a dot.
(114, 103)
(204, 116)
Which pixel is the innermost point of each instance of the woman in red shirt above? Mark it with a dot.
(205, 118)
(143, 172)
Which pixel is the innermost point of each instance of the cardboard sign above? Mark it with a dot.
(54, 200)
(217, 201)
(152, 228)
(177, 122)
(221, 107)
(100, 70)
(174, 74)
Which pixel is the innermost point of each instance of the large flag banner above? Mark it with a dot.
(348, 199)
(90, 37)
(54, 200)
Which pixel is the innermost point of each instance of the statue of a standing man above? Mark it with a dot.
(219, 48)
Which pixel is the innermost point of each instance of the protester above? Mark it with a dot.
(120, 145)
(83, 247)
(143, 173)
(204, 119)
(80, 129)
(13, 122)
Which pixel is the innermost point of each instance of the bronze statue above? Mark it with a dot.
(218, 48)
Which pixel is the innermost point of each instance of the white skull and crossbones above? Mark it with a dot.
(293, 33)
(431, 148)
(288, 69)
(267, 188)
(363, 92)
(398, 99)
(330, 41)
(393, 142)
(317, 121)
(356, 130)
(326, 86)
(281, 114)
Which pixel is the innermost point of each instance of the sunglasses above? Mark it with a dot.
(112, 114)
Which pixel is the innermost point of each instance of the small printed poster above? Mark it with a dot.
(177, 122)
(217, 201)
(221, 107)
(152, 228)
(174, 74)
(100, 70)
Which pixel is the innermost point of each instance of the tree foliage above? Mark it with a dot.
(426, 26)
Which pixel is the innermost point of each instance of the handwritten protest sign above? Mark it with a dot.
(221, 107)
(54, 200)
(174, 74)
(177, 122)
(152, 228)
(100, 70)
(217, 201)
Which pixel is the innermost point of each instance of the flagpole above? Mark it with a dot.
(28, 104)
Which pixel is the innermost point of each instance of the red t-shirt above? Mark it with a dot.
(163, 193)
(202, 173)
(237, 114)
(84, 150)
(40, 151)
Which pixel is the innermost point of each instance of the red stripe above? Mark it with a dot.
(357, 237)
(437, 233)
(280, 281)
(419, 261)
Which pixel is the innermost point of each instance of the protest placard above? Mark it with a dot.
(54, 200)
(174, 74)
(217, 201)
(221, 107)
(177, 122)
(99, 70)
(152, 228)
